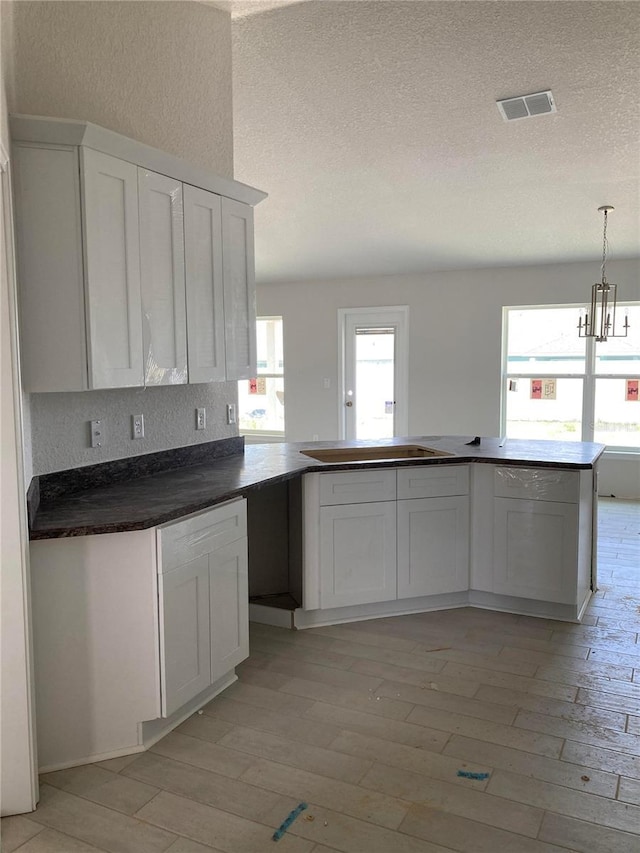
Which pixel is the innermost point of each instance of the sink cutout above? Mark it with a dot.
(364, 454)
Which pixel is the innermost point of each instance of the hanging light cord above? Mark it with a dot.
(605, 246)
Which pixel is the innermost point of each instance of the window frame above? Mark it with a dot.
(274, 434)
(588, 377)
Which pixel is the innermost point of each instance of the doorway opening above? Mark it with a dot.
(374, 371)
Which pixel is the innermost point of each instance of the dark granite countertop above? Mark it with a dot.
(139, 496)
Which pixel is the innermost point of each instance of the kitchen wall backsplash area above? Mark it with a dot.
(60, 67)
(61, 423)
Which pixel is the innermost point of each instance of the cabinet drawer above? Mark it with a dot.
(348, 487)
(433, 481)
(541, 484)
(200, 534)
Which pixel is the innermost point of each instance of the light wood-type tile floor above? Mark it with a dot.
(370, 724)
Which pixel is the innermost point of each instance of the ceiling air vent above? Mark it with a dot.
(526, 106)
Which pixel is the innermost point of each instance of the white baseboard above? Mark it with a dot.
(378, 610)
(91, 759)
(300, 619)
(152, 731)
(276, 616)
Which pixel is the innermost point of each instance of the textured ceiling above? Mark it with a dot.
(374, 129)
(242, 8)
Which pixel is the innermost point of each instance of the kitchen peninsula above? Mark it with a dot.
(140, 567)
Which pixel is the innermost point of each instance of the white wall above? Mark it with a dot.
(455, 330)
(18, 781)
(60, 422)
(159, 72)
(619, 477)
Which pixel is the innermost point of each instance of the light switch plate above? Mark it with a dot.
(97, 433)
(231, 413)
(137, 426)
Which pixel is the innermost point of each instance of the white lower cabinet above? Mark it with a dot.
(357, 553)
(508, 537)
(535, 549)
(229, 608)
(204, 601)
(204, 626)
(185, 647)
(130, 627)
(369, 547)
(433, 546)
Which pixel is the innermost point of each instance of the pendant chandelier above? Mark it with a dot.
(599, 320)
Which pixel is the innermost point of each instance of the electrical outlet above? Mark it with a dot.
(137, 426)
(201, 418)
(97, 433)
(231, 413)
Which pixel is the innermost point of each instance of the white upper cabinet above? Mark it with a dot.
(239, 289)
(112, 270)
(162, 272)
(108, 298)
(50, 267)
(205, 295)
(80, 311)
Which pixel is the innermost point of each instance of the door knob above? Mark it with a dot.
(349, 403)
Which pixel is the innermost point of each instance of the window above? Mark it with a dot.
(261, 400)
(559, 386)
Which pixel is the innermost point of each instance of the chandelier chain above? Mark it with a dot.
(605, 246)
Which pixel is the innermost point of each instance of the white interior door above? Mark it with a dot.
(374, 372)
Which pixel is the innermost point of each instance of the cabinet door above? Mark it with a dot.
(357, 553)
(535, 549)
(239, 289)
(50, 267)
(112, 271)
(164, 328)
(185, 656)
(204, 285)
(433, 546)
(229, 603)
